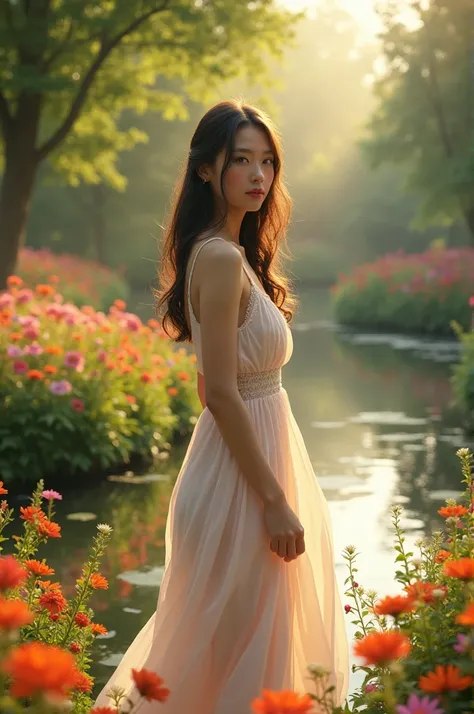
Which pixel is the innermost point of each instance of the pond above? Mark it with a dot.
(376, 415)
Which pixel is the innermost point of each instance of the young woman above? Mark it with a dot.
(249, 597)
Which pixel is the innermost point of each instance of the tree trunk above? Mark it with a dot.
(15, 197)
(469, 218)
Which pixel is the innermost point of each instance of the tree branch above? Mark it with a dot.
(49, 61)
(79, 100)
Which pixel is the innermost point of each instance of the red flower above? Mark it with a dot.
(150, 686)
(444, 679)
(382, 647)
(146, 377)
(347, 609)
(3, 491)
(50, 369)
(38, 668)
(83, 683)
(38, 568)
(98, 629)
(14, 614)
(130, 399)
(463, 569)
(53, 601)
(103, 710)
(98, 582)
(11, 573)
(75, 648)
(77, 405)
(394, 605)
(452, 511)
(81, 619)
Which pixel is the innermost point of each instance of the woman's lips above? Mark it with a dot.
(256, 194)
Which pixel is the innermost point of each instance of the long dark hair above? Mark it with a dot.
(193, 214)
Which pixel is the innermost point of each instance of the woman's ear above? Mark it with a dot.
(204, 173)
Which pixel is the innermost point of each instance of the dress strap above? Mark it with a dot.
(204, 242)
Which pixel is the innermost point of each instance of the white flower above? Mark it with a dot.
(104, 528)
(318, 670)
(463, 452)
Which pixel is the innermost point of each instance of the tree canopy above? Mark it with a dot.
(425, 113)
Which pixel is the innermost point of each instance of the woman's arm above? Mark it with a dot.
(201, 388)
(219, 282)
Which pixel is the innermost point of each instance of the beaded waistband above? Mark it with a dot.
(252, 385)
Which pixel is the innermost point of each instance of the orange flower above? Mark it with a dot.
(83, 683)
(146, 377)
(445, 678)
(3, 491)
(53, 279)
(382, 647)
(130, 399)
(14, 614)
(81, 619)
(32, 514)
(53, 601)
(13, 281)
(53, 350)
(48, 585)
(120, 304)
(173, 392)
(466, 617)
(98, 629)
(38, 668)
(394, 605)
(282, 703)
(183, 376)
(15, 336)
(424, 592)
(49, 529)
(103, 710)
(45, 290)
(442, 555)
(150, 685)
(153, 324)
(462, 568)
(39, 568)
(11, 573)
(453, 511)
(50, 369)
(35, 374)
(98, 582)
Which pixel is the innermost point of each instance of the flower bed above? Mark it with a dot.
(420, 293)
(83, 282)
(84, 391)
(416, 646)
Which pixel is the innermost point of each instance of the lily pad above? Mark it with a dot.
(389, 418)
(443, 495)
(132, 610)
(144, 578)
(328, 424)
(112, 660)
(83, 516)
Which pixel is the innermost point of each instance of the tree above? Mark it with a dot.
(425, 114)
(69, 68)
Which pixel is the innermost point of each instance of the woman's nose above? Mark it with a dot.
(258, 173)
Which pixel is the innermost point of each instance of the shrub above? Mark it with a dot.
(83, 391)
(409, 293)
(463, 373)
(83, 282)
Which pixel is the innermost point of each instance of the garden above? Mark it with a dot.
(415, 647)
(428, 294)
(107, 391)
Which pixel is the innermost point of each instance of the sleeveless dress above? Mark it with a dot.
(232, 617)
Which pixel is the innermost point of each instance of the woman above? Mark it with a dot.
(249, 596)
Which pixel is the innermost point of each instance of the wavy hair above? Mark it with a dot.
(192, 214)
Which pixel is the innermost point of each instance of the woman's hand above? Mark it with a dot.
(285, 530)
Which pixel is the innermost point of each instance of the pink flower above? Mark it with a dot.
(6, 300)
(471, 301)
(370, 688)
(31, 333)
(35, 349)
(14, 351)
(61, 387)
(75, 360)
(24, 296)
(77, 405)
(463, 644)
(50, 494)
(347, 608)
(101, 355)
(420, 705)
(20, 366)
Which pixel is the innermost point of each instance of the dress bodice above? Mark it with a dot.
(264, 338)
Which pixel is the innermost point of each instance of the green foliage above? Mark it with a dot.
(424, 117)
(84, 282)
(84, 392)
(91, 61)
(408, 293)
(463, 374)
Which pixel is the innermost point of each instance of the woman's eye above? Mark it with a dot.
(269, 161)
(240, 159)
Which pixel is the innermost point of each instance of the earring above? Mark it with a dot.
(204, 181)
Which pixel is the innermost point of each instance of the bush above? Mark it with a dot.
(420, 293)
(463, 374)
(84, 391)
(83, 282)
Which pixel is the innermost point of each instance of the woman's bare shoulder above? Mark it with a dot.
(219, 255)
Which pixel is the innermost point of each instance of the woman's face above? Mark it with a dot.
(250, 175)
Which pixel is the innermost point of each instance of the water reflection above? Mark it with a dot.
(377, 418)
